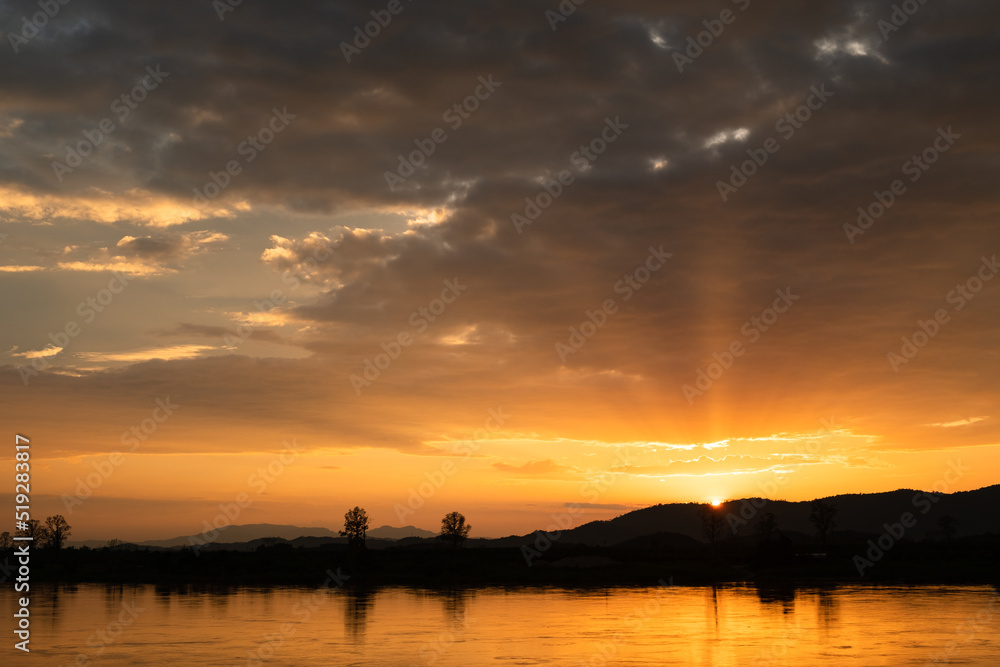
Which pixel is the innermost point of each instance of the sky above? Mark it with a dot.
(530, 261)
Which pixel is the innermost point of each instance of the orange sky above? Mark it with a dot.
(554, 306)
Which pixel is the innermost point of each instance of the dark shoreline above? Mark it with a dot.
(971, 562)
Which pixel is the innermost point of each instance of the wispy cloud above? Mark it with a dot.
(136, 356)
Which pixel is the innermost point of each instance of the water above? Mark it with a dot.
(93, 624)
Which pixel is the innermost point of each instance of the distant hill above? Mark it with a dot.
(93, 544)
(392, 533)
(250, 536)
(247, 533)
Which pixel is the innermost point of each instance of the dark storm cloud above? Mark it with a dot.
(352, 120)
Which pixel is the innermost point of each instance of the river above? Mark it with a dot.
(738, 625)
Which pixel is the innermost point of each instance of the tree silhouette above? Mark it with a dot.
(270, 542)
(355, 527)
(948, 526)
(453, 528)
(711, 522)
(768, 526)
(6, 541)
(58, 530)
(35, 530)
(823, 516)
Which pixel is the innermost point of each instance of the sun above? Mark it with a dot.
(716, 502)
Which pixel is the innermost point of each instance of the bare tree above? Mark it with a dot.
(271, 542)
(454, 529)
(711, 521)
(823, 516)
(6, 541)
(58, 530)
(355, 527)
(36, 531)
(768, 526)
(948, 527)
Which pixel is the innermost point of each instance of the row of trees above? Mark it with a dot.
(822, 514)
(52, 534)
(453, 528)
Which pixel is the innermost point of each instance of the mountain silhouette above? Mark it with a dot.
(865, 513)
(393, 533)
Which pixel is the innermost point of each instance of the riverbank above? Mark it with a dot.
(974, 561)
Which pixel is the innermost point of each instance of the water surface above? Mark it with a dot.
(91, 624)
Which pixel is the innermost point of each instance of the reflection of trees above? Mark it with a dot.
(777, 594)
(57, 603)
(454, 602)
(715, 608)
(357, 604)
(221, 599)
(114, 594)
(827, 608)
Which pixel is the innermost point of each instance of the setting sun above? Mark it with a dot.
(716, 502)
